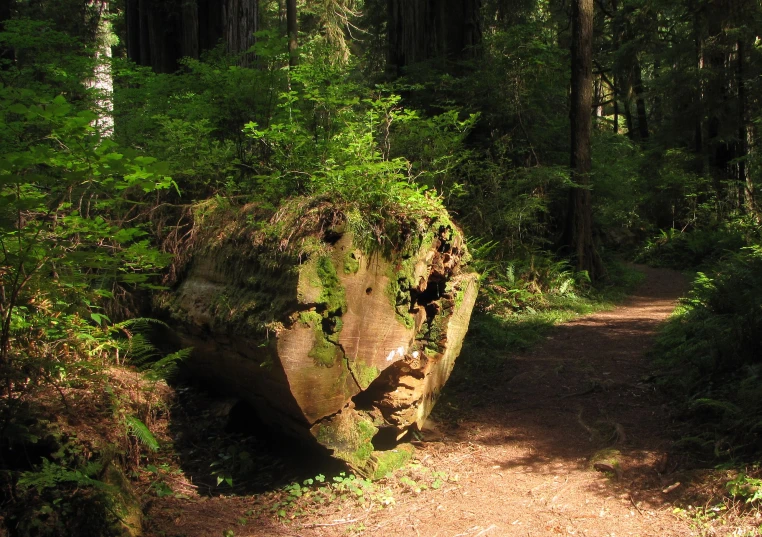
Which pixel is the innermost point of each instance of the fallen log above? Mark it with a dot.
(336, 341)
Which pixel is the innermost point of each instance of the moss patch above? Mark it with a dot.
(398, 291)
(324, 353)
(327, 325)
(332, 294)
(364, 374)
(389, 461)
(349, 434)
(433, 332)
(352, 262)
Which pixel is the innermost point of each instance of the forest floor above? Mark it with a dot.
(568, 438)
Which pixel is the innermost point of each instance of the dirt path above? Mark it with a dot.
(523, 465)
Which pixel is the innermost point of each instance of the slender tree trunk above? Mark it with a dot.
(699, 105)
(7, 54)
(597, 100)
(628, 118)
(144, 41)
(132, 20)
(103, 81)
(744, 177)
(615, 79)
(292, 30)
(640, 103)
(579, 228)
(657, 113)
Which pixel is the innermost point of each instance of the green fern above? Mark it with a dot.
(166, 367)
(52, 475)
(139, 430)
(713, 404)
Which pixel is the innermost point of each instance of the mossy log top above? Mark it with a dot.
(336, 345)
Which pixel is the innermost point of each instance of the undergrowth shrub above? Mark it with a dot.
(692, 249)
(712, 350)
(531, 282)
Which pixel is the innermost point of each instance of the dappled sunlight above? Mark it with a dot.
(573, 427)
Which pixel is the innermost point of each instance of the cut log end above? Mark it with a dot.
(365, 343)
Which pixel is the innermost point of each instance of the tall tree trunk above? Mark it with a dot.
(211, 24)
(421, 30)
(144, 41)
(657, 113)
(699, 104)
(292, 30)
(640, 103)
(615, 78)
(190, 29)
(241, 21)
(579, 227)
(132, 21)
(158, 36)
(7, 54)
(102, 81)
(744, 132)
(628, 118)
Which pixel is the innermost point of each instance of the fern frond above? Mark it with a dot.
(139, 430)
(139, 350)
(167, 366)
(140, 323)
(714, 404)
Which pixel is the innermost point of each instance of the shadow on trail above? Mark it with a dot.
(581, 396)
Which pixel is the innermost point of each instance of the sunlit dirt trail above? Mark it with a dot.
(524, 464)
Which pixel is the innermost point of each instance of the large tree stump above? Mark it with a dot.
(344, 344)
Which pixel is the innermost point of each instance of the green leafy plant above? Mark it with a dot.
(746, 488)
(714, 341)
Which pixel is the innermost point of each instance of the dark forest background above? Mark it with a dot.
(563, 136)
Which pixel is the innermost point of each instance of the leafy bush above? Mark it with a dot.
(713, 349)
(73, 235)
(692, 249)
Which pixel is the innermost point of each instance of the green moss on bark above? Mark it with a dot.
(364, 374)
(352, 263)
(394, 459)
(332, 294)
(350, 436)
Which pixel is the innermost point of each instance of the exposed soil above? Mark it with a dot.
(572, 439)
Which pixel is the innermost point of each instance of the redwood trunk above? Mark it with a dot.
(640, 103)
(579, 228)
(6, 53)
(744, 133)
(421, 30)
(292, 30)
(241, 21)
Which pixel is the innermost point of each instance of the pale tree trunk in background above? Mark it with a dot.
(579, 224)
(103, 81)
(292, 30)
